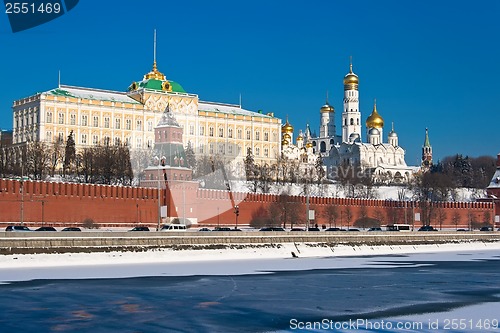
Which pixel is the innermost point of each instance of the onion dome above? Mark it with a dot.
(354, 137)
(392, 133)
(351, 80)
(374, 120)
(327, 108)
(287, 128)
(286, 136)
(373, 131)
(300, 137)
(309, 144)
(284, 142)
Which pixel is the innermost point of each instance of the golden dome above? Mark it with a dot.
(155, 74)
(309, 144)
(351, 79)
(284, 142)
(327, 108)
(287, 128)
(300, 138)
(374, 120)
(286, 136)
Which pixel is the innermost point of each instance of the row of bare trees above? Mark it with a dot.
(101, 164)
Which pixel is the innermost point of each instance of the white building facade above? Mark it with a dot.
(95, 115)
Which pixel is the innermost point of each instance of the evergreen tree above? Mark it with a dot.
(69, 153)
(190, 156)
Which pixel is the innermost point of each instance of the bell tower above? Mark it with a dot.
(426, 152)
(351, 116)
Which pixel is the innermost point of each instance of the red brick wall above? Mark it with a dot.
(66, 204)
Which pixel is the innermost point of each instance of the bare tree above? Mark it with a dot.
(379, 215)
(37, 159)
(440, 216)
(456, 219)
(331, 213)
(348, 215)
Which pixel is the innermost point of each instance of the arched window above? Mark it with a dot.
(352, 121)
(322, 147)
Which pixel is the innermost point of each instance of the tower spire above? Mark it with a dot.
(154, 51)
(326, 96)
(350, 64)
(154, 74)
(427, 142)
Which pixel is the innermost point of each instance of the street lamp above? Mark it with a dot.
(161, 162)
(236, 213)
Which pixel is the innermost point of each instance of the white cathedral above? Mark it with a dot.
(385, 160)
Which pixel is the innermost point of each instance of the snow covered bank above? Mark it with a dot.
(228, 261)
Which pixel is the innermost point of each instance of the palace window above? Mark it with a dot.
(128, 124)
(257, 135)
(230, 133)
(48, 136)
(84, 120)
(202, 130)
(266, 136)
(221, 132)
(150, 126)
(211, 148)
(257, 151)
(139, 126)
(106, 122)
(191, 129)
(95, 121)
(95, 140)
(72, 119)
(49, 117)
(266, 152)
(248, 135)
(84, 139)
(117, 123)
(210, 131)
(240, 133)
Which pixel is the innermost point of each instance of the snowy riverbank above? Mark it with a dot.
(246, 259)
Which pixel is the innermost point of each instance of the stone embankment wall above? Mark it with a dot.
(37, 203)
(43, 242)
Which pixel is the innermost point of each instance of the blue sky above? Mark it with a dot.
(429, 64)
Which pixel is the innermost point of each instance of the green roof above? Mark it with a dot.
(154, 84)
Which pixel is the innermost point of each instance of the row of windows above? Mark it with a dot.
(231, 149)
(85, 139)
(95, 121)
(230, 134)
(351, 121)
